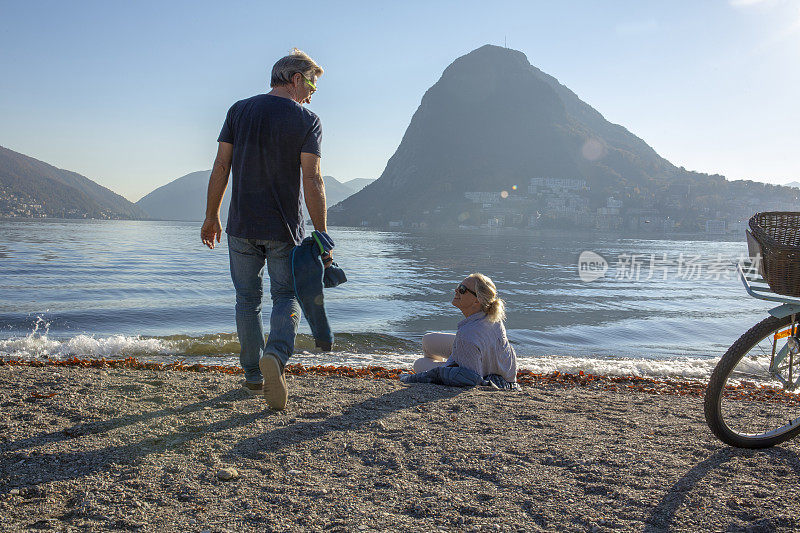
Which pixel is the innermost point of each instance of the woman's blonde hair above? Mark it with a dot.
(296, 62)
(486, 292)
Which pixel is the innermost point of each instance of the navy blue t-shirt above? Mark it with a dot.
(268, 133)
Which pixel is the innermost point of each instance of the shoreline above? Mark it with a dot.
(680, 387)
(526, 378)
(98, 446)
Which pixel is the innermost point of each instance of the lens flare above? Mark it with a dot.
(593, 150)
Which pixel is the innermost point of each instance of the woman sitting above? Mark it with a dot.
(479, 350)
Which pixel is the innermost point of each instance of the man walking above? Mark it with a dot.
(265, 142)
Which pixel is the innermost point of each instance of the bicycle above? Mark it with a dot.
(753, 396)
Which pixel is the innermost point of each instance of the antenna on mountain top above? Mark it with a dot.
(505, 42)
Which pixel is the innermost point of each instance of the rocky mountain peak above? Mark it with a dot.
(490, 122)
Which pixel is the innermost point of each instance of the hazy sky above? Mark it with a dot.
(132, 94)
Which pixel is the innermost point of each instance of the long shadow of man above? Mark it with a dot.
(101, 426)
(59, 466)
(354, 417)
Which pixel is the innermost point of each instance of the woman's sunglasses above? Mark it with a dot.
(463, 288)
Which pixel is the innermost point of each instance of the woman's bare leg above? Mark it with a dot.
(423, 364)
(438, 346)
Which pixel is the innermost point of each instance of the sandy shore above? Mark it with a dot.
(120, 449)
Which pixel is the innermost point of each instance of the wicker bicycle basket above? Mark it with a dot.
(778, 234)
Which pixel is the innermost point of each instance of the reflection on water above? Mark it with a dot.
(104, 278)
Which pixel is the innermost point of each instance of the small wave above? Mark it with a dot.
(84, 346)
(679, 367)
(39, 345)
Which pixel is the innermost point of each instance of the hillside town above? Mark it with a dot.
(566, 202)
(12, 206)
(554, 202)
(15, 206)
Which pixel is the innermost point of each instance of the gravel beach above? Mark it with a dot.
(97, 449)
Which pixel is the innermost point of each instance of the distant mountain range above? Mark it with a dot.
(185, 197)
(336, 191)
(32, 188)
(181, 199)
(494, 126)
(356, 184)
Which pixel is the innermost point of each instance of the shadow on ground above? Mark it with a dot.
(37, 468)
(356, 416)
(663, 514)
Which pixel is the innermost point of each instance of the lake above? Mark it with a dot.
(151, 290)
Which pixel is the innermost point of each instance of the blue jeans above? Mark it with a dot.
(247, 258)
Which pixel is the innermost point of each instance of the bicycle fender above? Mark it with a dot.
(785, 310)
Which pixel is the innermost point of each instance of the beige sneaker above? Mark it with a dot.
(275, 391)
(254, 388)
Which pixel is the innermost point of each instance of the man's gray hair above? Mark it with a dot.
(296, 62)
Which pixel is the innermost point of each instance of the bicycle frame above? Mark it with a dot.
(757, 287)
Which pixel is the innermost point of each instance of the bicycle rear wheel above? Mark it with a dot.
(746, 404)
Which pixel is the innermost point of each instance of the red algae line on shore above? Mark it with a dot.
(745, 391)
(673, 387)
(524, 377)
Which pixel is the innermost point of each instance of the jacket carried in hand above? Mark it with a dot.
(310, 276)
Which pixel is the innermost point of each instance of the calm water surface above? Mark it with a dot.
(150, 289)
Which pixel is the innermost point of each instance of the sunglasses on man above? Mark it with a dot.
(463, 288)
(308, 82)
